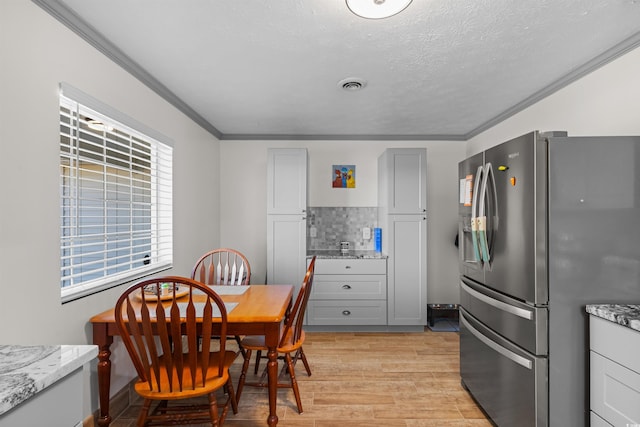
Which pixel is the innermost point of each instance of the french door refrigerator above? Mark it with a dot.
(547, 224)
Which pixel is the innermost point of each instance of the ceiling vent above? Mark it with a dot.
(352, 84)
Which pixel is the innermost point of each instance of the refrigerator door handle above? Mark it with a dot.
(493, 196)
(517, 311)
(488, 178)
(497, 347)
(474, 217)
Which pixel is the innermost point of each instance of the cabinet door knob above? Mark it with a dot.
(346, 312)
(346, 287)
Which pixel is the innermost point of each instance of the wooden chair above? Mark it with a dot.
(222, 266)
(161, 335)
(291, 341)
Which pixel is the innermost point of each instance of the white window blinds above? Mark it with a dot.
(115, 197)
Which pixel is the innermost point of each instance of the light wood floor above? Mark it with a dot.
(366, 379)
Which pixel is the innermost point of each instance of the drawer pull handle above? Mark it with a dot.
(346, 287)
(346, 312)
(347, 267)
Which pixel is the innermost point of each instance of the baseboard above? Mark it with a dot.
(117, 404)
(89, 421)
(364, 328)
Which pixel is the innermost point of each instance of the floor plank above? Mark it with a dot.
(366, 379)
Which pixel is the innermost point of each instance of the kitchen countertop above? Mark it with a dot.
(336, 254)
(623, 314)
(27, 370)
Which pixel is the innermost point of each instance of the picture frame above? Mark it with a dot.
(343, 176)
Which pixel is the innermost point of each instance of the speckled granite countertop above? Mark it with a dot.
(623, 314)
(27, 370)
(335, 254)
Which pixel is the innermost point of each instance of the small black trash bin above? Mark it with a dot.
(441, 310)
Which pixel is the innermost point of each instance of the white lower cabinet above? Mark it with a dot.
(348, 292)
(356, 312)
(59, 405)
(596, 421)
(407, 249)
(614, 374)
(286, 250)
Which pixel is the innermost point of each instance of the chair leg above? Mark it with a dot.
(294, 383)
(258, 357)
(144, 412)
(232, 396)
(285, 368)
(239, 341)
(302, 356)
(213, 411)
(243, 375)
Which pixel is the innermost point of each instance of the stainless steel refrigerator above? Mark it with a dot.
(547, 224)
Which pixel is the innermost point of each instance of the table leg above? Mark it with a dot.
(103, 341)
(272, 370)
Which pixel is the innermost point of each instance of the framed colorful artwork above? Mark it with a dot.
(343, 176)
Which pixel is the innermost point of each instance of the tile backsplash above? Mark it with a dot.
(335, 224)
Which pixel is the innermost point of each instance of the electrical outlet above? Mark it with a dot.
(366, 233)
(313, 232)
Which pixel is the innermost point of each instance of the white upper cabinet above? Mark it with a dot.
(286, 181)
(402, 189)
(286, 215)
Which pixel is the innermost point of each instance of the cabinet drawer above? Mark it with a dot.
(351, 266)
(345, 287)
(367, 312)
(615, 342)
(614, 391)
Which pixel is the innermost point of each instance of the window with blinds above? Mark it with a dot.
(115, 197)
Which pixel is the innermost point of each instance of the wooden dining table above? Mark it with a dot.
(260, 310)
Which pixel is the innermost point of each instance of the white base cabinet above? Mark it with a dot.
(287, 250)
(615, 374)
(348, 292)
(59, 405)
(407, 294)
(596, 421)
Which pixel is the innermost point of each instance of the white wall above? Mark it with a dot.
(604, 103)
(37, 53)
(243, 198)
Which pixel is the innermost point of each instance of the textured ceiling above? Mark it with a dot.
(441, 69)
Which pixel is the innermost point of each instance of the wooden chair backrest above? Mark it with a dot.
(295, 321)
(152, 326)
(222, 266)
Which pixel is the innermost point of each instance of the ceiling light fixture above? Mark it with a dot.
(377, 9)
